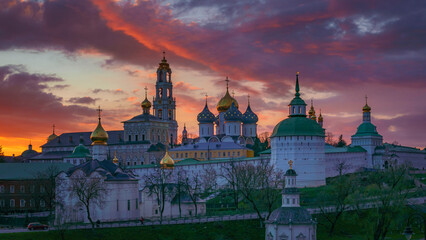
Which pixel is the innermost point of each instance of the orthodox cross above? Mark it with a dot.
(146, 89)
(290, 163)
(227, 82)
(206, 97)
(53, 126)
(164, 55)
(99, 112)
(248, 98)
(366, 98)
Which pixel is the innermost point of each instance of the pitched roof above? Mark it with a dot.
(28, 171)
(105, 168)
(331, 149)
(75, 138)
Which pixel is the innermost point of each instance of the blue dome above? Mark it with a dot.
(205, 116)
(249, 116)
(233, 114)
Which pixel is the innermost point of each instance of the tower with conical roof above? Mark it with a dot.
(205, 122)
(233, 120)
(320, 119)
(367, 136)
(164, 103)
(290, 221)
(302, 140)
(99, 138)
(249, 121)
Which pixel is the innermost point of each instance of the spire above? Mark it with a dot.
(99, 110)
(146, 92)
(320, 119)
(53, 127)
(115, 160)
(290, 163)
(227, 83)
(99, 136)
(164, 56)
(297, 85)
(248, 99)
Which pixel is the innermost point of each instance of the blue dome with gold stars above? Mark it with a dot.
(249, 116)
(205, 116)
(233, 114)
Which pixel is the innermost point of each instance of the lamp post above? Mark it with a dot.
(408, 231)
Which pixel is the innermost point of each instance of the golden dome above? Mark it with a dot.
(146, 103)
(320, 119)
(366, 108)
(115, 159)
(99, 135)
(225, 103)
(52, 137)
(167, 161)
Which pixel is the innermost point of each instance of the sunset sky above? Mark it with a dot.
(60, 59)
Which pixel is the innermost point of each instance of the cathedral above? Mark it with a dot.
(225, 137)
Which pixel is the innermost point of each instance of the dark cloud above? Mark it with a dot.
(82, 100)
(28, 110)
(111, 91)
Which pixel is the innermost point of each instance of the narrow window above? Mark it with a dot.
(117, 205)
(12, 188)
(22, 203)
(12, 203)
(136, 138)
(128, 205)
(136, 203)
(130, 138)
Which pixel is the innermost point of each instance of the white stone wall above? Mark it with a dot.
(349, 162)
(233, 128)
(114, 205)
(307, 154)
(205, 129)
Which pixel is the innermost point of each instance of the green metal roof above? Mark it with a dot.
(28, 171)
(297, 101)
(366, 129)
(267, 151)
(332, 149)
(80, 152)
(298, 126)
(193, 161)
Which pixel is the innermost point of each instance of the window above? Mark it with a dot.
(143, 137)
(156, 211)
(294, 201)
(42, 190)
(136, 138)
(22, 203)
(2, 203)
(130, 138)
(229, 154)
(288, 201)
(22, 188)
(201, 154)
(1, 189)
(42, 203)
(128, 205)
(117, 205)
(186, 155)
(12, 190)
(195, 155)
(136, 203)
(238, 154)
(32, 203)
(12, 203)
(32, 188)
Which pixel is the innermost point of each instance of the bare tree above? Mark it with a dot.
(158, 184)
(193, 188)
(90, 191)
(270, 182)
(1, 154)
(48, 182)
(208, 180)
(179, 189)
(329, 138)
(342, 166)
(229, 173)
(63, 224)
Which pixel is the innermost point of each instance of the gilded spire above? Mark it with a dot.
(53, 135)
(312, 111)
(225, 103)
(366, 108)
(167, 161)
(290, 163)
(115, 160)
(146, 104)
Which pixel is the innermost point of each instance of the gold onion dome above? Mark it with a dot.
(146, 103)
(366, 108)
(320, 119)
(225, 103)
(53, 135)
(167, 161)
(99, 136)
(115, 159)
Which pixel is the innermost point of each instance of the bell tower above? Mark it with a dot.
(164, 103)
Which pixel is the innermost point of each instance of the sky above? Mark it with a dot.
(61, 59)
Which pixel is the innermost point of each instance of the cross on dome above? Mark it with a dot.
(290, 163)
(99, 110)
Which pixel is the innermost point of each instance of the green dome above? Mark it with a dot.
(80, 151)
(366, 129)
(298, 126)
(297, 101)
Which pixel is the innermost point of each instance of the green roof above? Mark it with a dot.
(298, 126)
(297, 101)
(366, 129)
(193, 161)
(28, 171)
(332, 149)
(80, 152)
(267, 151)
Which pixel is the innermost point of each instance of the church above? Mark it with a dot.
(224, 137)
